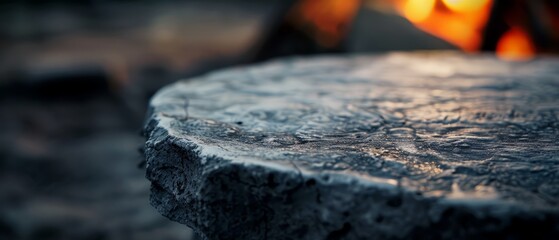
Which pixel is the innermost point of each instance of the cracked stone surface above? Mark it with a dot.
(437, 145)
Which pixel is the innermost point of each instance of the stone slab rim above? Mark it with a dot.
(169, 108)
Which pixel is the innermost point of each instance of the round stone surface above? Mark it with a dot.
(358, 147)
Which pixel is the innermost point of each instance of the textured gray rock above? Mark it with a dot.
(361, 147)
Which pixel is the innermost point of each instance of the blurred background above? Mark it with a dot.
(76, 77)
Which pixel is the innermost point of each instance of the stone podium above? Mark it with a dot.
(403, 145)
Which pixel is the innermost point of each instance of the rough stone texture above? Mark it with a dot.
(361, 147)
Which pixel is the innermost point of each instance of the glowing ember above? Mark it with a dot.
(515, 45)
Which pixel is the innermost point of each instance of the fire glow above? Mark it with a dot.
(330, 18)
(461, 22)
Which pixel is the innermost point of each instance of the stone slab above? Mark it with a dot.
(438, 145)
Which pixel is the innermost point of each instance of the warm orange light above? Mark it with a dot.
(461, 22)
(465, 5)
(515, 45)
(329, 18)
(418, 10)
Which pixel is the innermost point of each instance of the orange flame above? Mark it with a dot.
(459, 22)
(466, 6)
(515, 45)
(418, 11)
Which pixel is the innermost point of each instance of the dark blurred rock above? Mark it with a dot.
(374, 31)
(73, 81)
(54, 183)
(438, 146)
(285, 37)
(6, 230)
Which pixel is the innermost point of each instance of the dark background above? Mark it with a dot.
(75, 81)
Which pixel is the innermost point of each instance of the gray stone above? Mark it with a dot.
(425, 145)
